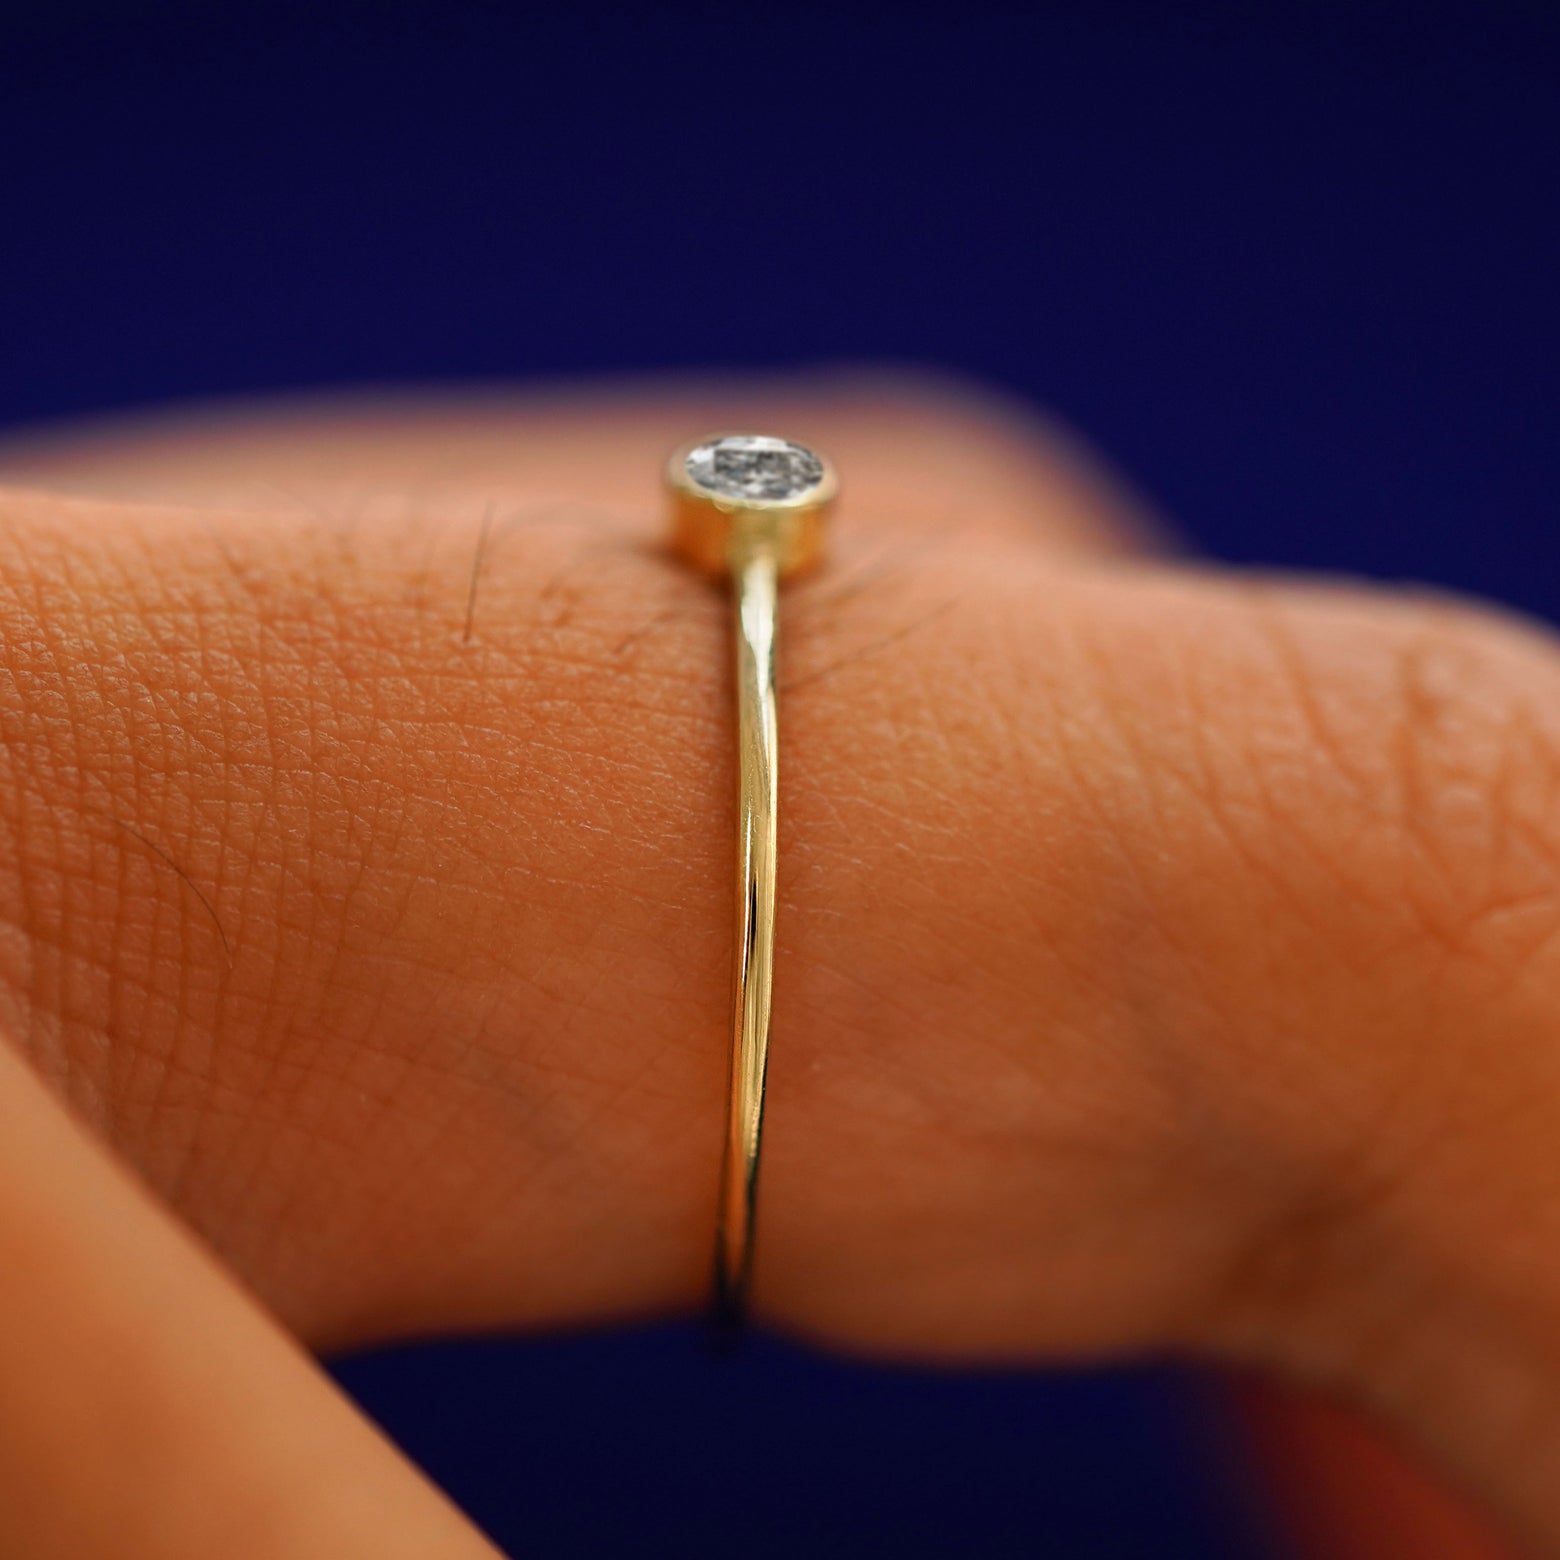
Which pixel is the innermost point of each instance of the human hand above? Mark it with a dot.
(1166, 956)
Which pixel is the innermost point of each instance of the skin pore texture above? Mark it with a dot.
(1167, 959)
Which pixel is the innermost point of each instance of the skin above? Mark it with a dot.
(1167, 958)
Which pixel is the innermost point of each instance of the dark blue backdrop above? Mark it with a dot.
(1294, 268)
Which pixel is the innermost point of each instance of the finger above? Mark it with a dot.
(146, 1407)
(928, 458)
(1345, 1492)
(1165, 962)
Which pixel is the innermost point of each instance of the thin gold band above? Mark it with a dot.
(757, 582)
(749, 508)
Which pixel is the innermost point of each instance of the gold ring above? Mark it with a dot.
(749, 508)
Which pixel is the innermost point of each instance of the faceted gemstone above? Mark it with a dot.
(754, 466)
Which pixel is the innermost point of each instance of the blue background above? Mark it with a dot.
(1293, 268)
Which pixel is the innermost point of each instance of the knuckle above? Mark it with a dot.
(1422, 763)
(1477, 761)
(1474, 755)
(1400, 1008)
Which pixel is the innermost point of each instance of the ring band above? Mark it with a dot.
(749, 508)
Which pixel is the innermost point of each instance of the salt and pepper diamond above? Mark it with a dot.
(755, 467)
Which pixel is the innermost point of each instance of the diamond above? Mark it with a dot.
(755, 467)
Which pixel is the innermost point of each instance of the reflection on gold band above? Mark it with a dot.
(757, 599)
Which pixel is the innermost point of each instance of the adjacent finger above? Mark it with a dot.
(926, 458)
(147, 1408)
(1343, 1491)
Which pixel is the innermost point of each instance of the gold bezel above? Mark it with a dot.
(716, 533)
